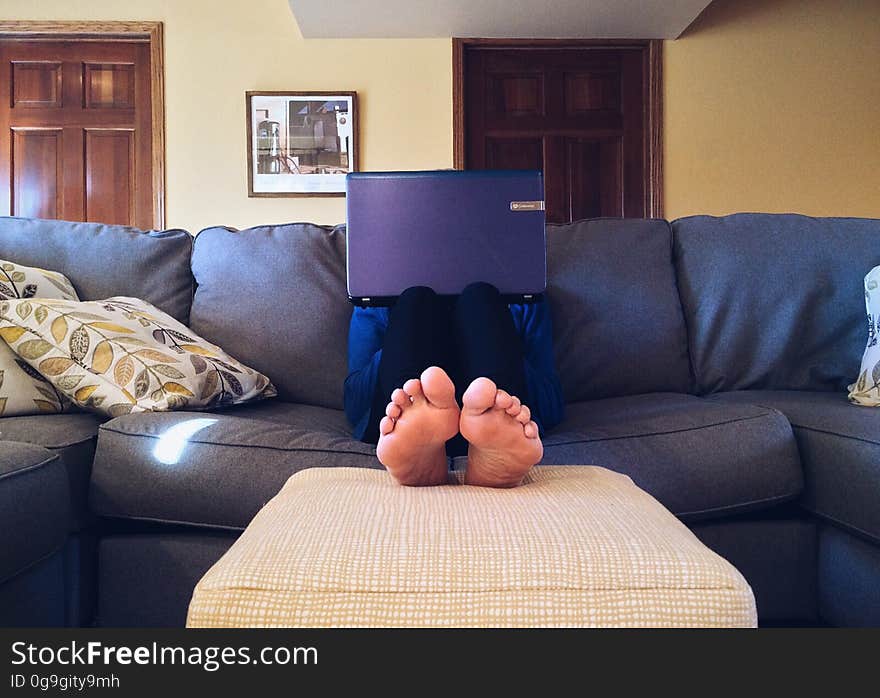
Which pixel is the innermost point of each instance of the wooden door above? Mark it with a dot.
(579, 114)
(76, 131)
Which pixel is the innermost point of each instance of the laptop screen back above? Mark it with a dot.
(445, 230)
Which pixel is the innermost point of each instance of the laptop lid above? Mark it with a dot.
(445, 229)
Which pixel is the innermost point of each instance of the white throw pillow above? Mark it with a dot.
(866, 390)
(22, 389)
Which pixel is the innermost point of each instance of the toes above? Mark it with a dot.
(400, 398)
(413, 388)
(393, 411)
(503, 399)
(515, 406)
(524, 416)
(438, 387)
(480, 395)
(531, 430)
(386, 426)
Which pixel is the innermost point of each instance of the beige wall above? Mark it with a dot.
(774, 105)
(217, 49)
(771, 105)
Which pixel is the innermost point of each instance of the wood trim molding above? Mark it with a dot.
(654, 142)
(653, 51)
(458, 125)
(153, 32)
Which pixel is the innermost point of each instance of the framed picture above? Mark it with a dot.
(301, 143)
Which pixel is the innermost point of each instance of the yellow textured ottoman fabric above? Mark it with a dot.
(574, 546)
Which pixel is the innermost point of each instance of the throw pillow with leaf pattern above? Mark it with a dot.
(22, 389)
(866, 390)
(123, 355)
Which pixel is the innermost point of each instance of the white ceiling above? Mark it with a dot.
(509, 19)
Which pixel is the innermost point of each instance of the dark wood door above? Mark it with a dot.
(579, 114)
(75, 131)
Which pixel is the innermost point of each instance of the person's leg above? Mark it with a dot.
(414, 393)
(488, 344)
(504, 442)
(417, 336)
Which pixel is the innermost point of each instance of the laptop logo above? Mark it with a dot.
(526, 205)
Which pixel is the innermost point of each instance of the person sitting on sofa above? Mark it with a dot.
(408, 368)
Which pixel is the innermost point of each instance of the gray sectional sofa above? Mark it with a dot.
(707, 358)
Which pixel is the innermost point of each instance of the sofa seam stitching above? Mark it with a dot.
(687, 330)
(55, 550)
(834, 433)
(28, 468)
(734, 507)
(174, 522)
(269, 448)
(661, 433)
(848, 528)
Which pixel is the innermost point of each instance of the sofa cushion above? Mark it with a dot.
(775, 301)
(145, 580)
(286, 285)
(107, 260)
(839, 447)
(33, 506)
(72, 438)
(701, 459)
(849, 567)
(214, 469)
(618, 326)
(776, 553)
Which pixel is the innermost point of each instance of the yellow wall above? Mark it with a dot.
(770, 105)
(215, 50)
(774, 105)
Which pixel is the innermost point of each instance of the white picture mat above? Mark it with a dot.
(278, 108)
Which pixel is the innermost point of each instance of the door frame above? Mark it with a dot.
(153, 33)
(652, 52)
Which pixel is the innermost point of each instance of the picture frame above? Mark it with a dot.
(300, 143)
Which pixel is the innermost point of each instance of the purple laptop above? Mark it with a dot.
(445, 230)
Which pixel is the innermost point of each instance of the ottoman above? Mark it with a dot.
(573, 546)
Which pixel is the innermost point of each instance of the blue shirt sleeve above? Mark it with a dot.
(365, 335)
(535, 328)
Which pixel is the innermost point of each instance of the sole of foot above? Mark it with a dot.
(504, 441)
(419, 419)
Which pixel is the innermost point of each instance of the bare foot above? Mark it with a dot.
(504, 441)
(419, 420)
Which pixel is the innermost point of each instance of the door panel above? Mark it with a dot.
(587, 91)
(76, 131)
(577, 113)
(514, 153)
(109, 85)
(515, 95)
(36, 179)
(109, 171)
(36, 84)
(593, 187)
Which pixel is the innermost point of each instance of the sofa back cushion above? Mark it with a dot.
(617, 320)
(106, 260)
(775, 301)
(275, 298)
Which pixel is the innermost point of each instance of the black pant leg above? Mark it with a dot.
(488, 344)
(418, 336)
